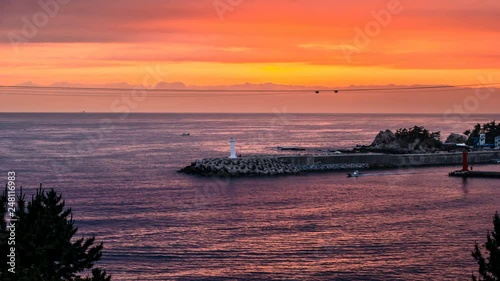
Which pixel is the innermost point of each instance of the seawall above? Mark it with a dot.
(395, 160)
(267, 165)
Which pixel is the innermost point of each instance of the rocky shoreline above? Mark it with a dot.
(259, 166)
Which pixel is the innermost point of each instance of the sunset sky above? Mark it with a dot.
(207, 43)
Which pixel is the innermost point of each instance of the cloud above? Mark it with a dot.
(170, 85)
(166, 85)
(102, 41)
(159, 20)
(325, 102)
(324, 46)
(120, 85)
(28, 83)
(104, 20)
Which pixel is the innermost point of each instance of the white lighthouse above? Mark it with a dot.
(233, 149)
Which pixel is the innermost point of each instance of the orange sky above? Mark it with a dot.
(329, 43)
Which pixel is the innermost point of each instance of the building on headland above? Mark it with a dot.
(481, 142)
(482, 139)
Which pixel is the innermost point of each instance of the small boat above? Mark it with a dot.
(495, 161)
(354, 174)
(185, 134)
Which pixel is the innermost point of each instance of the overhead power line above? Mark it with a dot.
(184, 92)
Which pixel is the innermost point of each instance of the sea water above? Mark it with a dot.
(118, 174)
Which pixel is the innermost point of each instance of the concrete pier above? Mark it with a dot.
(475, 174)
(294, 164)
(395, 160)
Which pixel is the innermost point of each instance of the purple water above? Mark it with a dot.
(119, 176)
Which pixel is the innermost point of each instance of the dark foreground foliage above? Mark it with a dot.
(489, 264)
(44, 246)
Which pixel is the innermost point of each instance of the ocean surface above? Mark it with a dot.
(118, 174)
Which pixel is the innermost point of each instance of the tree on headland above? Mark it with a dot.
(45, 249)
(489, 266)
(406, 140)
(417, 132)
(491, 130)
(419, 137)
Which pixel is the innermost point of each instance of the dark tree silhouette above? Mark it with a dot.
(491, 130)
(489, 266)
(44, 245)
(419, 135)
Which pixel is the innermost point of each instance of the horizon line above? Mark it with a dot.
(293, 88)
(323, 113)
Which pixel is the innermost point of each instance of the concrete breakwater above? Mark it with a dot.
(259, 166)
(295, 164)
(475, 174)
(392, 160)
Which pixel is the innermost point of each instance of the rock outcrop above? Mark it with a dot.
(389, 142)
(456, 138)
(385, 140)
